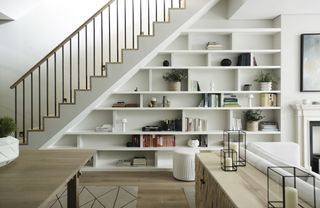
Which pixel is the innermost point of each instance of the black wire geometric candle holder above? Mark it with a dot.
(236, 140)
(290, 187)
(227, 164)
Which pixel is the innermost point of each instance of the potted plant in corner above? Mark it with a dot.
(174, 78)
(9, 146)
(252, 118)
(265, 80)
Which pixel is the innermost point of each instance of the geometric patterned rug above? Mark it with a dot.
(100, 197)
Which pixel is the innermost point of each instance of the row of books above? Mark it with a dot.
(230, 100)
(244, 59)
(210, 100)
(196, 124)
(194, 85)
(159, 141)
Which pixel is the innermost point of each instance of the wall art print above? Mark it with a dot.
(310, 63)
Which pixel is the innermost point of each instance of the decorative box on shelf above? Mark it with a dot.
(236, 140)
(290, 187)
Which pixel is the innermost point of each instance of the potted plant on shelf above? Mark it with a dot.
(265, 80)
(252, 118)
(9, 146)
(174, 78)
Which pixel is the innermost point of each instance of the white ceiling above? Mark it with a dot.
(13, 9)
(239, 9)
(269, 9)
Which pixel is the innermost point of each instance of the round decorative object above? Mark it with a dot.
(9, 150)
(166, 63)
(226, 62)
(193, 143)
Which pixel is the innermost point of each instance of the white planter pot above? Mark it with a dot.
(253, 126)
(9, 150)
(265, 86)
(174, 86)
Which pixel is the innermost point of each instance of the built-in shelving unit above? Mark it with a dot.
(188, 52)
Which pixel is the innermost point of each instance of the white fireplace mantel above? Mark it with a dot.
(305, 114)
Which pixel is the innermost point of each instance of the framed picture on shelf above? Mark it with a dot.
(310, 62)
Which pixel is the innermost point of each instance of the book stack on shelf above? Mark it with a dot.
(124, 163)
(213, 45)
(159, 141)
(139, 162)
(196, 124)
(230, 100)
(268, 126)
(122, 104)
(104, 128)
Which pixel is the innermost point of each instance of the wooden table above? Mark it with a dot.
(215, 188)
(37, 175)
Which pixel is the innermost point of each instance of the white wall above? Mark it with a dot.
(29, 38)
(292, 27)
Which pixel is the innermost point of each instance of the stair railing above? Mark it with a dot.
(81, 56)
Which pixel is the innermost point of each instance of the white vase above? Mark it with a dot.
(253, 126)
(174, 86)
(9, 150)
(265, 86)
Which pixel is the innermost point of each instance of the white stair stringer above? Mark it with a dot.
(119, 73)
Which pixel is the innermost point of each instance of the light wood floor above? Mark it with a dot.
(156, 189)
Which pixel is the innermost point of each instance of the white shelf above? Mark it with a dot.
(269, 51)
(188, 108)
(209, 67)
(212, 132)
(123, 148)
(197, 92)
(265, 31)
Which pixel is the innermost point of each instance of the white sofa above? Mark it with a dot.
(262, 155)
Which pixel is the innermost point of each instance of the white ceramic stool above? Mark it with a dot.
(184, 164)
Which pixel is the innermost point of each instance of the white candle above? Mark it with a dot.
(229, 163)
(291, 195)
(234, 146)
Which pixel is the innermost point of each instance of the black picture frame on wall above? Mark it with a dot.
(310, 62)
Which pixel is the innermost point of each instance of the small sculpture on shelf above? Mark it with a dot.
(193, 143)
(225, 62)
(153, 102)
(124, 121)
(213, 45)
(165, 102)
(250, 97)
(166, 63)
(247, 87)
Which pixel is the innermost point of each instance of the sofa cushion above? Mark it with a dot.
(278, 153)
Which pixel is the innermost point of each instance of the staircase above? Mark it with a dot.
(104, 52)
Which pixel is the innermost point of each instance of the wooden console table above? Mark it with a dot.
(37, 175)
(218, 189)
